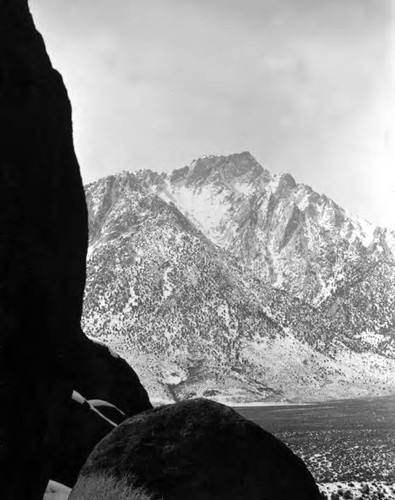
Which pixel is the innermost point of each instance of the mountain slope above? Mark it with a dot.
(178, 293)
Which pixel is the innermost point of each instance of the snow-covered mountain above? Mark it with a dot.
(224, 280)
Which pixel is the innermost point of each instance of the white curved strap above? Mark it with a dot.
(76, 396)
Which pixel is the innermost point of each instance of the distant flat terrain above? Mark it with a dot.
(347, 440)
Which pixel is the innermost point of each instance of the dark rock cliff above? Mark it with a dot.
(43, 234)
(43, 242)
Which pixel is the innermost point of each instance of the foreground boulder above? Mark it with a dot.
(196, 450)
(43, 244)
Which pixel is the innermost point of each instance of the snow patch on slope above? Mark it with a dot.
(167, 286)
(204, 206)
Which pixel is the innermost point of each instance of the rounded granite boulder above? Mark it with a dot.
(195, 450)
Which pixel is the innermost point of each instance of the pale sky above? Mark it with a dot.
(307, 86)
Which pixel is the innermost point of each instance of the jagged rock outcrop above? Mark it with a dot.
(198, 450)
(43, 243)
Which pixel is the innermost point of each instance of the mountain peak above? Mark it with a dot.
(245, 158)
(221, 274)
(211, 168)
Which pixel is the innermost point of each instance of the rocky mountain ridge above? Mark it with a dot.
(270, 222)
(223, 280)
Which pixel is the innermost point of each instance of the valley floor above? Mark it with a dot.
(348, 445)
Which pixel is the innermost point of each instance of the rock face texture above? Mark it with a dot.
(43, 241)
(199, 450)
(223, 280)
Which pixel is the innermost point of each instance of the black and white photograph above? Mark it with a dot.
(197, 249)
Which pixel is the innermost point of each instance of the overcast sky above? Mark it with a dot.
(305, 85)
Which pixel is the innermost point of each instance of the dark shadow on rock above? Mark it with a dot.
(198, 450)
(107, 379)
(43, 243)
(103, 374)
